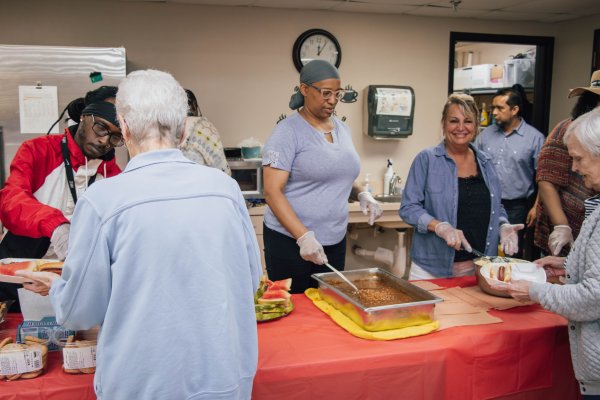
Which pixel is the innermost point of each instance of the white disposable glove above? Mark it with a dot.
(509, 239)
(453, 237)
(310, 249)
(369, 205)
(559, 238)
(60, 240)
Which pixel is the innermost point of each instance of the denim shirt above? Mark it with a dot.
(431, 192)
(515, 157)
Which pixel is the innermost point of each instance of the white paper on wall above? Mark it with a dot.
(38, 108)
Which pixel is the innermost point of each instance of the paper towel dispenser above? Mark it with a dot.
(389, 111)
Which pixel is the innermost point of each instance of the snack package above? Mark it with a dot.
(4, 306)
(25, 360)
(79, 356)
(46, 329)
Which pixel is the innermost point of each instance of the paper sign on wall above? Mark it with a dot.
(38, 108)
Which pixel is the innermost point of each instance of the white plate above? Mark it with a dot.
(525, 271)
(17, 279)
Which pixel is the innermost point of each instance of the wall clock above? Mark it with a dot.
(316, 44)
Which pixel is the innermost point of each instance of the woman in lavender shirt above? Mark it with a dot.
(310, 165)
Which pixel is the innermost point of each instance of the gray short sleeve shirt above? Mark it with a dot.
(321, 175)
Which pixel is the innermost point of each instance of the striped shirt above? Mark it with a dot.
(591, 204)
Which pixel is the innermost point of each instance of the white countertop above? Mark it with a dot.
(389, 218)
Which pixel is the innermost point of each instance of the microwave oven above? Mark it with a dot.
(248, 174)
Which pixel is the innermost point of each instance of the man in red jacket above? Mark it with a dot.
(49, 173)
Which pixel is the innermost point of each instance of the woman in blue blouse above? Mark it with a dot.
(452, 197)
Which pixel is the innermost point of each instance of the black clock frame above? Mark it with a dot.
(304, 36)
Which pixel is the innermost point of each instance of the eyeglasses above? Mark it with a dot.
(327, 93)
(115, 139)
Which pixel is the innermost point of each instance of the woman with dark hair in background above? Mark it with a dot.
(49, 173)
(526, 106)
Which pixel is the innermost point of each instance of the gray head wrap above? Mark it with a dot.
(314, 71)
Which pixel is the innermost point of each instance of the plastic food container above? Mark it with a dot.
(251, 152)
(417, 308)
(21, 360)
(79, 356)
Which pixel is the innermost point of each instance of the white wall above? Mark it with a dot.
(238, 60)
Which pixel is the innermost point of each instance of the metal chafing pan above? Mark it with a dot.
(394, 316)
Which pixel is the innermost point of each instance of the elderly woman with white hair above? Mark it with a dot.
(164, 257)
(579, 298)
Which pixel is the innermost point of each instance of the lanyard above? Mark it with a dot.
(69, 169)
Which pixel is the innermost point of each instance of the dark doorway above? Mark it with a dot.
(596, 51)
(544, 53)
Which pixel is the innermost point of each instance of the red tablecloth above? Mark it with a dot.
(307, 356)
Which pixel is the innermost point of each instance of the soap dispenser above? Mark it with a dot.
(387, 178)
(367, 183)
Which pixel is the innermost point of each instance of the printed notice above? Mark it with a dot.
(20, 362)
(38, 108)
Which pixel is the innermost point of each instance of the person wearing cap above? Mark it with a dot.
(49, 173)
(562, 191)
(165, 258)
(514, 146)
(310, 165)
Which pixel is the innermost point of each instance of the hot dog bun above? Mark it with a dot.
(55, 267)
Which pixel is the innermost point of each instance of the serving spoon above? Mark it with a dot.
(343, 277)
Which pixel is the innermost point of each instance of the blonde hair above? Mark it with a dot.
(466, 104)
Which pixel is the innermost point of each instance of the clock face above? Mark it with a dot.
(316, 44)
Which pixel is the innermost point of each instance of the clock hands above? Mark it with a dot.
(320, 49)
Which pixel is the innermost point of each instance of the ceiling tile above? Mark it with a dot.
(578, 7)
(514, 16)
(447, 12)
(547, 11)
(487, 5)
(374, 8)
(303, 4)
(214, 2)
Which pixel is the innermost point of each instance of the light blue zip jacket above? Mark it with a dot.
(431, 192)
(165, 258)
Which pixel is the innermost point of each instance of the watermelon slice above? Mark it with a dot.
(284, 284)
(276, 294)
(272, 299)
(10, 269)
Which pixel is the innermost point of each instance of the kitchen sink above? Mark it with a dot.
(390, 198)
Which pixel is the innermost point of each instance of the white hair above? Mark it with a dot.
(154, 106)
(586, 129)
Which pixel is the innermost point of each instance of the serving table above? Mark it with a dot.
(307, 356)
